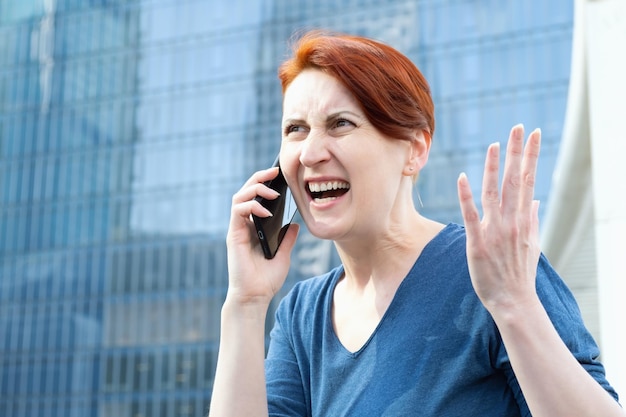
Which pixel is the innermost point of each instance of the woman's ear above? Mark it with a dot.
(418, 153)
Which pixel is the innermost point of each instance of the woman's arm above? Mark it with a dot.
(239, 385)
(551, 379)
(503, 252)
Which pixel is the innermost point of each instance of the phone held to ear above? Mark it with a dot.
(271, 230)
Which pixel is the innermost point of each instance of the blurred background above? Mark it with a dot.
(127, 125)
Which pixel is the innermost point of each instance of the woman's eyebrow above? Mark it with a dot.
(341, 113)
(332, 116)
(293, 121)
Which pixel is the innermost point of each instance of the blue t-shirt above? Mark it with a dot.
(436, 351)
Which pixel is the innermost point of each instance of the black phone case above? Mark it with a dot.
(271, 230)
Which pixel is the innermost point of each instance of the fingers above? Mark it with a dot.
(255, 187)
(490, 196)
(534, 220)
(520, 169)
(529, 168)
(470, 214)
(288, 242)
(518, 181)
(512, 170)
(244, 203)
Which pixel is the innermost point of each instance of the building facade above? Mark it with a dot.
(585, 225)
(125, 128)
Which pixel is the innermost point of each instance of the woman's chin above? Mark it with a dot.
(323, 231)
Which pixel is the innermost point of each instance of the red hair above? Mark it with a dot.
(392, 91)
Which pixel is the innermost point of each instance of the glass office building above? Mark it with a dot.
(125, 128)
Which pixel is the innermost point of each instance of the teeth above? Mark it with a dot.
(327, 186)
(325, 200)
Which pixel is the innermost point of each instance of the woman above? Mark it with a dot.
(421, 318)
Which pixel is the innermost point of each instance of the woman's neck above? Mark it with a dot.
(385, 258)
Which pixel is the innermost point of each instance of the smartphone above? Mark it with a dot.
(271, 230)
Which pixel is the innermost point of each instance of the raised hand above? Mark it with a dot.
(503, 246)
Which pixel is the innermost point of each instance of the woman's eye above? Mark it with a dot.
(343, 123)
(293, 128)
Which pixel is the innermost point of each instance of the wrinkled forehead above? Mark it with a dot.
(313, 92)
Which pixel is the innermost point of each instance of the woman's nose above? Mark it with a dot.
(314, 149)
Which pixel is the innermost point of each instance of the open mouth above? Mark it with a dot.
(322, 191)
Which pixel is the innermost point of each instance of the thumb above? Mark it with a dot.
(289, 240)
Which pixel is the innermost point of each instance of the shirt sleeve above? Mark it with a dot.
(565, 315)
(285, 390)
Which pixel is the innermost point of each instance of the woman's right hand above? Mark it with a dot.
(253, 279)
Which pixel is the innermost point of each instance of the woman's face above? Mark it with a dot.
(344, 174)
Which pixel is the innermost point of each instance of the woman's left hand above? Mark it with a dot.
(503, 246)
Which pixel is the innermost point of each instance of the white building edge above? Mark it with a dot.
(584, 228)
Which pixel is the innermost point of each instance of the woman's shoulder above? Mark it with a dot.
(449, 243)
(450, 233)
(315, 286)
(312, 293)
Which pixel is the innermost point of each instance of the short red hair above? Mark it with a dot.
(392, 91)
